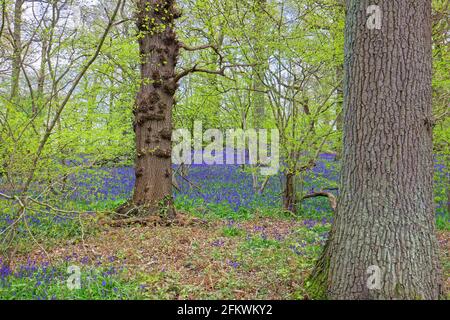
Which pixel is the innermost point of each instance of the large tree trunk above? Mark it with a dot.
(385, 216)
(153, 113)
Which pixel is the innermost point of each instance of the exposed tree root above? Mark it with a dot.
(317, 282)
(150, 220)
(130, 214)
(130, 210)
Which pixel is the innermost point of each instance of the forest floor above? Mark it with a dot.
(265, 258)
(230, 243)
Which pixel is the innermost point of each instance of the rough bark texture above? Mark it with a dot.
(385, 215)
(153, 113)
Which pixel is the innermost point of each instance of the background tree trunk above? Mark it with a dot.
(17, 47)
(153, 114)
(339, 103)
(260, 66)
(289, 194)
(448, 183)
(41, 75)
(385, 215)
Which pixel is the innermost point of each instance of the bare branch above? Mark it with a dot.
(195, 69)
(6, 196)
(69, 95)
(188, 48)
(329, 195)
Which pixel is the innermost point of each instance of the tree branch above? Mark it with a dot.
(203, 47)
(188, 48)
(69, 95)
(194, 69)
(329, 195)
(6, 196)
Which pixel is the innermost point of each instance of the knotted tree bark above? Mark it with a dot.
(383, 244)
(159, 51)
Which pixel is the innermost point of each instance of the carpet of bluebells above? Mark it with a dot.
(230, 187)
(45, 282)
(225, 192)
(226, 186)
